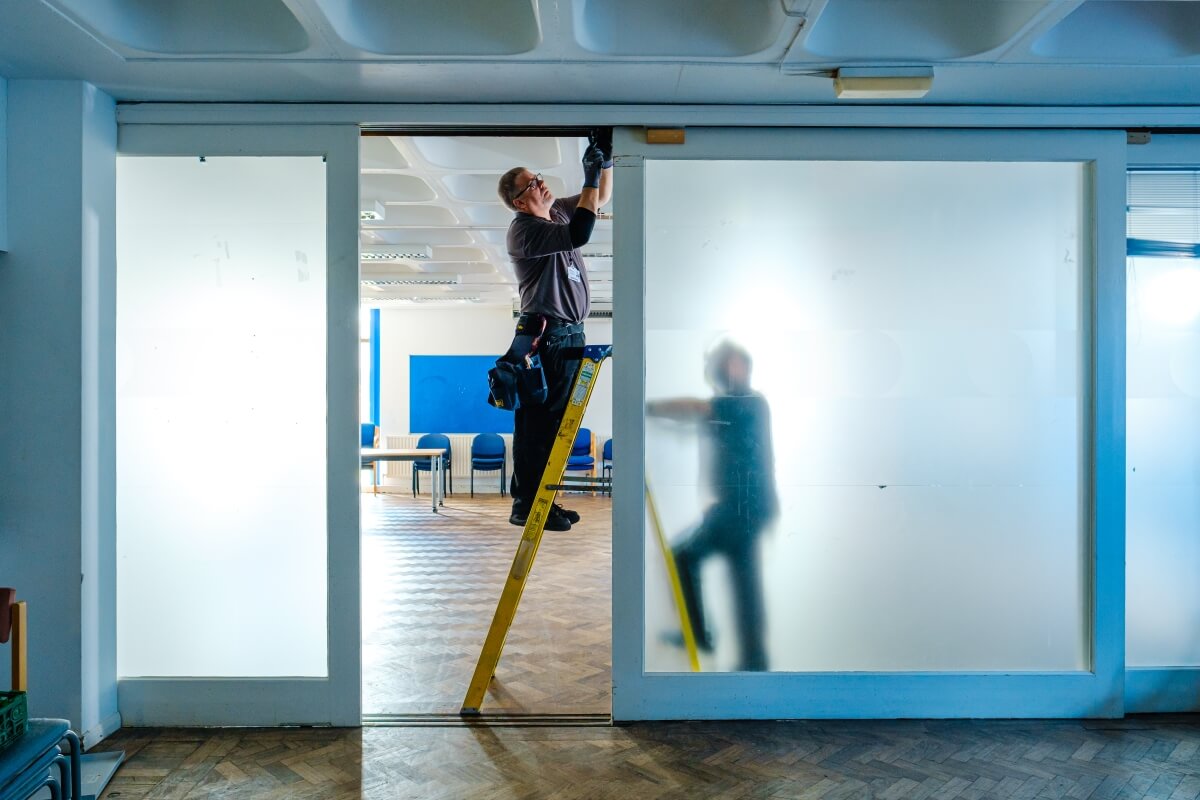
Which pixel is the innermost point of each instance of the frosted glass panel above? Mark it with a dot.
(863, 414)
(1163, 481)
(221, 417)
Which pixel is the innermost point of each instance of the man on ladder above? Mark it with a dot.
(543, 241)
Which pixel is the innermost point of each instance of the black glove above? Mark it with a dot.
(602, 138)
(593, 162)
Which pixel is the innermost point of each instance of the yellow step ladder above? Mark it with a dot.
(552, 477)
(685, 621)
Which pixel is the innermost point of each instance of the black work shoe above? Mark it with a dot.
(554, 522)
(572, 516)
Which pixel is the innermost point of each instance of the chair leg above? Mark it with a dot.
(472, 481)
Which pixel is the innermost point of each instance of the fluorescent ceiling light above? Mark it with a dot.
(891, 83)
(396, 252)
(415, 280)
(371, 211)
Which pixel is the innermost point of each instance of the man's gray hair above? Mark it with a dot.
(508, 186)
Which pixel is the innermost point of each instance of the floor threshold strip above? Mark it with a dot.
(487, 720)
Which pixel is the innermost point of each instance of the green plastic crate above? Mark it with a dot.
(14, 717)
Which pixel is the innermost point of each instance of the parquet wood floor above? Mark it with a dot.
(430, 586)
(934, 760)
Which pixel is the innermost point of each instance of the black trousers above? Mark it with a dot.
(535, 426)
(733, 536)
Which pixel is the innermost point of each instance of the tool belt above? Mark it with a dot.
(517, 379)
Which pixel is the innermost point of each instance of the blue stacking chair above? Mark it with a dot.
(487, 455)
(581, 459)
(606, 460)
(369, 437)
(432, 440)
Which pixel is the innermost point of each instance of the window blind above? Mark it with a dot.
(1163, 216)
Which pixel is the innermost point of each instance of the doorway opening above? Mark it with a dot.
(438, 305)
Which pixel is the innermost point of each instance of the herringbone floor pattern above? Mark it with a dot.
(430, 586)
(939, 760)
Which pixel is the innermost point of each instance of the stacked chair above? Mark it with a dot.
(36, 755)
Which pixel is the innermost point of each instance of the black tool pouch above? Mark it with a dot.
(517, 379)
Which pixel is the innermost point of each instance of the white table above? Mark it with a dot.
(373, 455)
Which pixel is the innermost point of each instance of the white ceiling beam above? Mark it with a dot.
(470, 116)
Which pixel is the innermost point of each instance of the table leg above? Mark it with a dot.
(436, 463)
(441, 480)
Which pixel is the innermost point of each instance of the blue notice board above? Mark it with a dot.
(448, 394)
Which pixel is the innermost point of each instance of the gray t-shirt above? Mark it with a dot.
(550, 272)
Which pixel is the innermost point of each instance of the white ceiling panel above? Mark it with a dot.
(489, 215)
(415, 214)
(459, 254)
(1125, 30)
(918, 30)
(497, 153)
(445, 27)
(712, 28)
(431, 236)
(395, 188)
(379, 152)
(191, 27)
(461, 218)
(461, 268)
(625, 53)
(477, 188)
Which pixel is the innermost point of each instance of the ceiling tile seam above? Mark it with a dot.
(82, 28)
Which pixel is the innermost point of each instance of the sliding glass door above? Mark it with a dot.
(877, 416)
(236, 426)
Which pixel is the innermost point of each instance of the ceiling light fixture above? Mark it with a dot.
(439, 280)
(371, 211)
(391, 252)
(882, 83)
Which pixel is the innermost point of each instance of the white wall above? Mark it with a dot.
(463, 331)
(57, 525)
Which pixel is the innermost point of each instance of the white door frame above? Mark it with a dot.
(336, 699)
(1096, 693)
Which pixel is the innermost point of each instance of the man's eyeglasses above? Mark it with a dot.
(536, 179)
